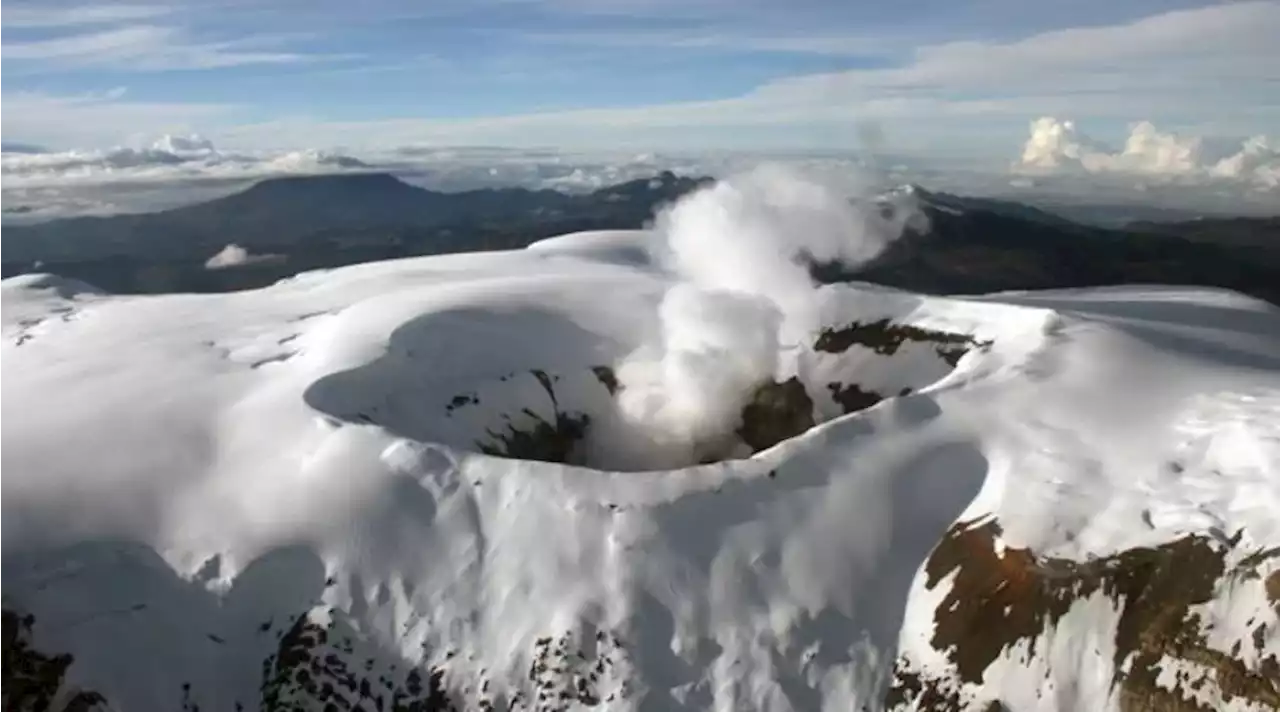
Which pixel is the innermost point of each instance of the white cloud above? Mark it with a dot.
(1177, 54)
(102, 118)
(835, 45)
(1057, 146)
(80, 183)
(660, 9)
(179, 145)
(177, 170)
(194, 158)
(1053, 144)
(29, 16)
(1258, 158)
(1210, 68)
(1209, 65)
(146, 48)
(167, 151)
(234, 255)
(172, 157)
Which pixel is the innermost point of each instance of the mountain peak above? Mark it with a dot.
(367, 182)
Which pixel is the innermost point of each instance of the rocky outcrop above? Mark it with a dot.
(538, 438)
(776, 412)
(885, 338)
(322, 664)
(1000, 597)
(317, 666)
(35, 681)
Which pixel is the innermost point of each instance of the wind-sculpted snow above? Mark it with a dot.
(573, 414)
(334, 491)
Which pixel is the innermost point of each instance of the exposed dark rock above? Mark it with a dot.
(566, 672)
(852, 398)
(540, 439)
(306, 674)
(543, 441)
(885, 338)
(33, 679)
(607, 377)
(572, 672)
(999, 597)
(776, 412)
(461, 400)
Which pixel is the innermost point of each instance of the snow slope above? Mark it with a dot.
(278, 499)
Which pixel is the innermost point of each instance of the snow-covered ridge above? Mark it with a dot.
(300, 363)
(276, 499)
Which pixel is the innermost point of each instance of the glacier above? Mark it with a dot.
(310, 496)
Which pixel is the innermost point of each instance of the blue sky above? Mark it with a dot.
(928, 75)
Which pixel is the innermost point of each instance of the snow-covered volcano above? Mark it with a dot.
(416, 485)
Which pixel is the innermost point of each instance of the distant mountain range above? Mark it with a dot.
(310, 222)
(10, 147)
(975, 245)
(1250, 232)
(314, 222)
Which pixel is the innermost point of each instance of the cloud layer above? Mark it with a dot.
(1211, 66)
(1058, 165)
(193, 158)
(170, 171)
(131, 38)
(176, 170)
(167, 158)
(1057, 146)
(1210, 63)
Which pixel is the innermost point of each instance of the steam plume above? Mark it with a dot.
(739, 252)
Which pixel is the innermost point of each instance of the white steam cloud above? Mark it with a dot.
(743, 298)
(1057, 146)
(234, 256)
